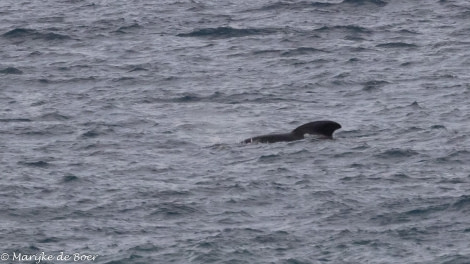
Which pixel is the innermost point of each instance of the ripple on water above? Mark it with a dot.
(25, 34)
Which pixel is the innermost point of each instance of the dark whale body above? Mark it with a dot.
(323, 128)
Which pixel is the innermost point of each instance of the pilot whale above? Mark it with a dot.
(324, 128)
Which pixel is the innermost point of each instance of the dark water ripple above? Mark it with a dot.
(120, 123)
(11, 70)
(31, 34)
(226, 32)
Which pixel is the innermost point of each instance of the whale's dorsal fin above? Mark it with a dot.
(324, 128)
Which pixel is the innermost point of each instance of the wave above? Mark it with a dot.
(397, 45)
(301, 51)
(458, 157)
(129, 28)
(70, 178)
(267, 52)
(53, 116)
(8, 120)
(397, 153)
(308, 4)
(374, 85)
(294, 5)
(283, 5)
(219, 97)
(227, 32)
(39, 163)
(348, 28)
(11, 70)
(462, 203)
(363, 2)
(25, 33)
(173, 210)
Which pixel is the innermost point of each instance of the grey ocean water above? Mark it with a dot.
(120, 124)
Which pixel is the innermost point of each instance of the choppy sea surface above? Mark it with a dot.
(120, 124)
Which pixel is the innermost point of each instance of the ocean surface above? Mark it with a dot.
(121, 122)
